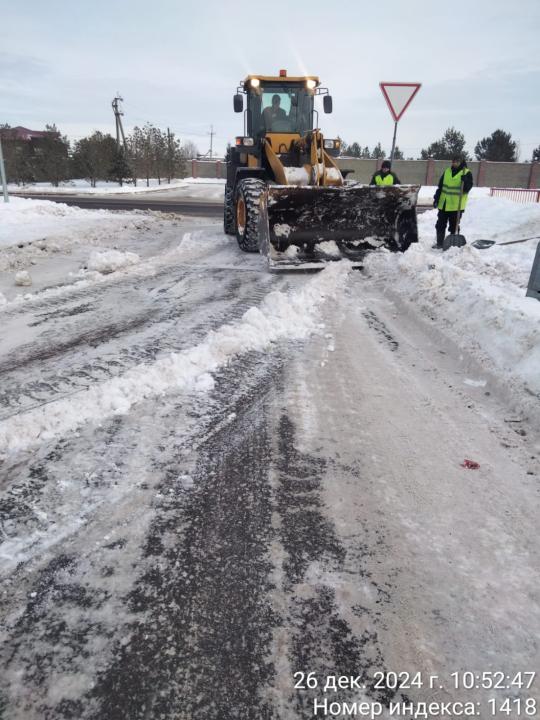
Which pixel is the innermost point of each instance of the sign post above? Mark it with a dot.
(3, 174)
(398, 96)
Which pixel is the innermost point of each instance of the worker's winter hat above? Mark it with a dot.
(386, 164)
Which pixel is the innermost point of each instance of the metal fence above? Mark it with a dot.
(516, 194)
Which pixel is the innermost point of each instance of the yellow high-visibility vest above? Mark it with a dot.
(387, 180)
(451, 189)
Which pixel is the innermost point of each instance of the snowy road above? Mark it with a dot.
(186, 555)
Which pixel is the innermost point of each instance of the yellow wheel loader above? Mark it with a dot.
(285, 195)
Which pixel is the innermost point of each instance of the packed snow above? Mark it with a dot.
(109, 261)
(477, 295)
(23, 278)
(291, 315)
(24, 220)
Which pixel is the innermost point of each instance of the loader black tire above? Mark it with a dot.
(248, 194)
(229, 216)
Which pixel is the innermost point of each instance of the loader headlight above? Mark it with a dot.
(255, 82)
(311, 84)
(246, 141)
(329, 144)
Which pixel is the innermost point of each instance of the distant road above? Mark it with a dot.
(202, 208)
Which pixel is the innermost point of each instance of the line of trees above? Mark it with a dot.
(355, 150)
(497, 147)
(150, 153)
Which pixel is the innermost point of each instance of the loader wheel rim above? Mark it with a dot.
(241, 215)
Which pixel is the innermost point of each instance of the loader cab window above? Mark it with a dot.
(280, 108)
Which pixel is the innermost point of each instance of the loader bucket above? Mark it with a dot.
(307, 227)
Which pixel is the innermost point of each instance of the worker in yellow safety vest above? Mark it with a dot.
(385, 176)
(446, 198)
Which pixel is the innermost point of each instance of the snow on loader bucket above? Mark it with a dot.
(307, 227)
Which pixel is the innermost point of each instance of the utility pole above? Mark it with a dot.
(3, 174)
(211, 133)
(118, 112)
(169, 156)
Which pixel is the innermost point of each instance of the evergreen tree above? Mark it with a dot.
(120, 169)
(93, 157)
(450, 145)
(365, 152)
(51, 156)
(378, 152)
(354, 150)
(499, 146)
(18, 157)
(398, 155)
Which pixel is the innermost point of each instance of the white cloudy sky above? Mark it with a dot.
(178, 63)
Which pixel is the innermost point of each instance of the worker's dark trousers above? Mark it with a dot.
(445, 218)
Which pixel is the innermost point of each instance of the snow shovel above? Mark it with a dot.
(484, 244)
(455, 239)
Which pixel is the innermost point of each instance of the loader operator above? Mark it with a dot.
(446, 198)
(273, 113)
(385, 176)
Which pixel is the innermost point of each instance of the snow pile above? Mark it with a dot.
(23, 278)
(292, 315)
(479, 294)
(109, 261)
(24, 221)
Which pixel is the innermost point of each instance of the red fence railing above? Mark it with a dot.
(519, 195)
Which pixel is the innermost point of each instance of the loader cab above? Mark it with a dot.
(279, 108)
(278, 104)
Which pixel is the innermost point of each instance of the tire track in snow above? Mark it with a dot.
(182, 309)
(291, 315)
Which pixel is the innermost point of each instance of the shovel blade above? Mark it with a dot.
(453, 241)
(483, 244)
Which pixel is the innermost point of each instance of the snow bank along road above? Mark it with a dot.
(199, 208)
(214, 478)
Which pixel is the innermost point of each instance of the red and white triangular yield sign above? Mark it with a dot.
(399, 96)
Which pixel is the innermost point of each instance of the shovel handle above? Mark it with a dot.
(458, 224)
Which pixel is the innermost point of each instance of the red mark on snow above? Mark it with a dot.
(470, 464)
